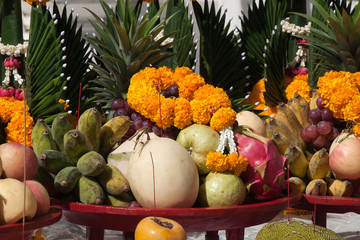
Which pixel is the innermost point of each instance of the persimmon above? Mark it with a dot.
(159, 228)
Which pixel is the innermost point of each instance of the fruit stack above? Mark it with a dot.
(306, 135)
(72, 162)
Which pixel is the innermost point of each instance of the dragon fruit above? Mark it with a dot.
(264, 176)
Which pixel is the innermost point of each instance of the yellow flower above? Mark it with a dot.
(218, 162)
(356, 130)
(222, 118)
(299, 84)
(12, 114)
(66, 104)
(37, 2)
(182, 117)
(195, 102)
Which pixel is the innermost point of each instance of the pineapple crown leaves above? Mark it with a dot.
(220, 64)
(261, 36)
(334, 37)
(125, 43)
(55, 63)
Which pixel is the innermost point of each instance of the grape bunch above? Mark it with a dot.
(122, 108)
(323, 128)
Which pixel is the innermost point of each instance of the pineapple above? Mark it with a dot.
(125, 43)
(334, 40)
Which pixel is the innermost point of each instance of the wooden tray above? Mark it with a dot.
(233, 219)
(15, 231)
(322, 205)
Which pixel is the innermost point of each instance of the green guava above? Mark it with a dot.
(221, 190)
(199, 140)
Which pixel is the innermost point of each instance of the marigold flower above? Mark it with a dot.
(12, 114)
(37, 2)
(356, 130)
(182, 117)
(218, 162)
(299, 85)
(222, 118)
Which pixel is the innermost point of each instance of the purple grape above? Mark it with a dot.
(120, 112)
(173, 90)
(148, 124)
(138, 124)
(128, 109)
(324, 127)
(156, 130)
(131, 131)
(319, 141)
(135, 116)
(171, 135)
(117, 103)
(315, 115)
(311, 131)
(327, 114)
(319, 104)
(333, 133)
(165, 93)
(304, 136)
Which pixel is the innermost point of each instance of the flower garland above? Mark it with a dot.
(197, 101)
(12, 114)
(340, 92)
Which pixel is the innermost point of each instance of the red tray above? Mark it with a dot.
(233, 219)
(322, 205)
(15, 231)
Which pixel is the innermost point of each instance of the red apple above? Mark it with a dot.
(12, 157)
(41, 195)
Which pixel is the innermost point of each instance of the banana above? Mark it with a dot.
(296, 161)
(75, 145)
(314, 96)
(66, 180)
(297, 186)
(53, 161)
(319, 165)
(112, 132)
(301, 109)
(89, 191)
(340, 188)
(59, 127)
(288, 117)
(276, 125)
(91, 164)
(280, 142)
(47, 180)
(45, 142)
(122, 200)
(316, 187)
(90, 125)
(113, 181)
(39, 127)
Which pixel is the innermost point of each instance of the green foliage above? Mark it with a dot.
(125, 43)
(50, 76)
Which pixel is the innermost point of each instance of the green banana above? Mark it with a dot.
(59, 127)
(319, 165)
(39, 127)
(89, 191)
(91, 164)
(47, 180)
(112, 132)
(66, 180)
(90, 125)
(122, 200)
(296, 161)
(45, 142)
(113, 181)
(75, 145)
(53, 161)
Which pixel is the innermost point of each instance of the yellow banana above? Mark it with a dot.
(301, 109)
(296, 161)
(319, 165)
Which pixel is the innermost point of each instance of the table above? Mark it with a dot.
(233, 219)
(321, 205)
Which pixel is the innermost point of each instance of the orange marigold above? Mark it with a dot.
(299, 84)
(182, 112)
(218, 162)
(222, 118)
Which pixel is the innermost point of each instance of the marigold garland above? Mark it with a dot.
(222, 118)
(195, 104)
(218, 162)
(12, 114)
